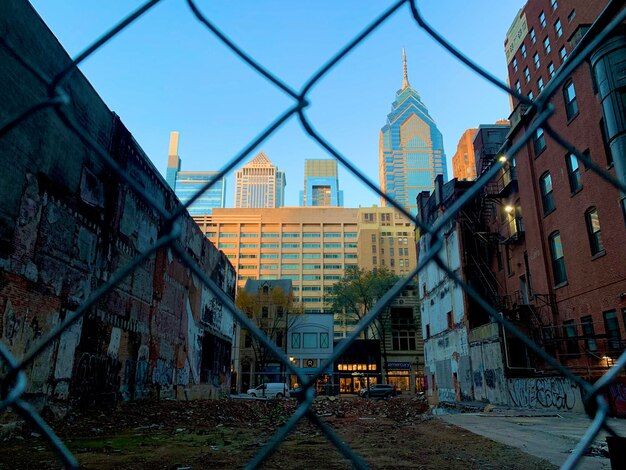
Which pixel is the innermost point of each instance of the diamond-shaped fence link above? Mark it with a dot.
(13, 384)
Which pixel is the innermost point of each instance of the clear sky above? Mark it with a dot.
(168, 72)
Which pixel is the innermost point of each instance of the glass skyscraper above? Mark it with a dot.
(321, 184)
(187, 183)
(410, 148)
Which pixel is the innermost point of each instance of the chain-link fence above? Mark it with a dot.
(13, 384)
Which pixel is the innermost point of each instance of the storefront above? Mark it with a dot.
(359, 366)
(399, 375)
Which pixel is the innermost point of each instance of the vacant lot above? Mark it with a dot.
(393, 434)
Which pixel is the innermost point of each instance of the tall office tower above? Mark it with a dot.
(410, 148)
(187, 183)
(321, 184)
(259, 184)
(463, 161)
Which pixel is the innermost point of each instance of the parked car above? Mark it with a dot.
(378, 390)
(299, 393)
(270, 390)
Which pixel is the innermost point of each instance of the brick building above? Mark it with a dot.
(566, 278)
(69, 225)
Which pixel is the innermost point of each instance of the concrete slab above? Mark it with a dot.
(544, 436)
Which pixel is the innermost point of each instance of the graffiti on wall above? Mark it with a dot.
(96, 379)
(554, 393)
(617, 398)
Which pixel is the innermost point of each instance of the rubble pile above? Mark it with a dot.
(189, 415)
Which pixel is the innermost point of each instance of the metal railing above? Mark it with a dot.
(13, 384)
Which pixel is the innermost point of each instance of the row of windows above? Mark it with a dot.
(309, 340)
(611, 328)
(286, 235)
(289, 245)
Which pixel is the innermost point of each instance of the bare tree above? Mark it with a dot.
(274, 311)
(358, 292)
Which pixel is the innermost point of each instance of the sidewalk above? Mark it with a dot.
(549, 436)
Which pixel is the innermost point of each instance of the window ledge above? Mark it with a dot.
(599, 254)
(562, 284)
(574, 193)
(569, 121)
(546, 214)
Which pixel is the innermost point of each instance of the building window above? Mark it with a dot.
(573, 173)
(605, 142)
(612, 330)
(295, 340)
(374, 260)
(593, 230)
(558, 261)
(533, 37)
(514, 64)
(540, 84)
(309, 340)
(558, 28)
(324, 340)
(536, 60)
(571, 105)
(450, 320)
(539, 142)
(571, 338)
(523, 50)
(531, 96)
(554, 4)
(563, 54)
(542, 19)
(589, 334)
(546, 45)
(547, 194)
(427, 331)
(571, 16)
(403, 340)
(518, 87)
(527, 74)
(265, 312)
(551, 69)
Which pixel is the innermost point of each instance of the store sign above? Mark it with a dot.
(309, 363)
(398, 365)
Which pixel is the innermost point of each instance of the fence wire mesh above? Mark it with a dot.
(13, 384)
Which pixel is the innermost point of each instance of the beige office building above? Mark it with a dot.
(386, 239)
(311, 246)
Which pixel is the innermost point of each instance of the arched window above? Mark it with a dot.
(558, 261)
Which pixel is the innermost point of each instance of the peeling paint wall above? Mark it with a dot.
(68, 224)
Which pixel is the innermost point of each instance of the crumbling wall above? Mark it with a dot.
(68, 224)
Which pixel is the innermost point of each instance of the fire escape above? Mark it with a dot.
(497, 232)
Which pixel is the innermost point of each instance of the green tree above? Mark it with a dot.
(356, 294)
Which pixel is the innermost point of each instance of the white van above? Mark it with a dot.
(270, 390)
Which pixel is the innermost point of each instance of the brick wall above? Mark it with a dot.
(68, 224)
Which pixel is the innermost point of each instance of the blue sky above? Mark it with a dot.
(168, 72)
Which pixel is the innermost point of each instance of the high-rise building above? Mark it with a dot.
(187, 183)
(410, 148)
(259, 184)
(463, 162)
(321, 184)
(310, 246)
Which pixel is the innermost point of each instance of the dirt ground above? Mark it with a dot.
(394, 434)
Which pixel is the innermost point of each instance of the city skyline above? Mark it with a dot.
(220, 104)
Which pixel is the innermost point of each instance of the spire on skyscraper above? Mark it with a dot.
(405, 81)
